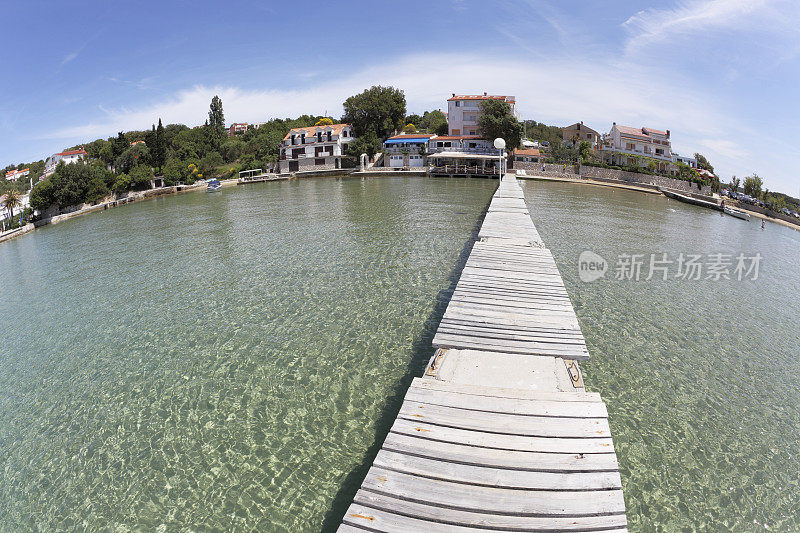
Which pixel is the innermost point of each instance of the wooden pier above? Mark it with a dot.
(499, 434)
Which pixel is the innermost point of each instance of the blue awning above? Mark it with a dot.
(420, 140)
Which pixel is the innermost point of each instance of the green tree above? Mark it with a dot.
(210, 162)
(379, 110)
(703, 163)
(97, 190)
(752, 186)
(585, 150)
(735, 182)
(496, 121)
(119, 145)
(365, 144)
(172, 171)
(140, 177)
(159, 153)
(12, 201)
(431, 122)
(42, 195)
(231, 150)
(216, 117)
(106, 154)
(121, 184)
(410, 128)
(138, 154)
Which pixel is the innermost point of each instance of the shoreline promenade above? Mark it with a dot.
(500, 433)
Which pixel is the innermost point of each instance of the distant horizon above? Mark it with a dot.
(720, 75)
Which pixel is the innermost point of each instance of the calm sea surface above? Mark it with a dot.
(228, 361)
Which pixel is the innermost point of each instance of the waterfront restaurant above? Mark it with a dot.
(467, 155)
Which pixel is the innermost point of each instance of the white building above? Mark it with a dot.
(70, 156)
(14, 175)
(315, 148)
(626, 146)
(463, 111)
(408, 150)
(691, 161)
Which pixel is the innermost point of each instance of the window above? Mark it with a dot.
(319, 136)
(344, 147)
(319, 161)
(458, 104)
(630, 146)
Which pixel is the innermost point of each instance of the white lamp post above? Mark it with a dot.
(500, 144)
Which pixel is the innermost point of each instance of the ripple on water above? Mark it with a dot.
(217, 362)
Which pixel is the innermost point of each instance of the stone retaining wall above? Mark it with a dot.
(635, 177)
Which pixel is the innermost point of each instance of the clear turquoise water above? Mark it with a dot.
(228, 362)
(700, 377)
(218, 362)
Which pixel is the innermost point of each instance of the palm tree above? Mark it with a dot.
(11, 201)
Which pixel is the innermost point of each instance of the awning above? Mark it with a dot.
(419, 140)
(464, 155)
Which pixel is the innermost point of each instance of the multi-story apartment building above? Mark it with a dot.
(315, 148)
(579, 132)
(463, 111)
(626, 146)
(14, 175)
(70, 156)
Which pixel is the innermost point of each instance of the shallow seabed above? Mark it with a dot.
(700, 377)
(217, 362)
(228, 362)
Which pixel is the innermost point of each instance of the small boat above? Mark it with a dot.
(213, 186)
(736, 213)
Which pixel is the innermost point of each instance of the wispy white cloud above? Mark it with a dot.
(68, 58)
(657, 25)
(552, 91)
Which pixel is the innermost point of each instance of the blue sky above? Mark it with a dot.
(722, 75)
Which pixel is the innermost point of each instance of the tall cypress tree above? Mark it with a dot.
(216, 117)
(160, 152)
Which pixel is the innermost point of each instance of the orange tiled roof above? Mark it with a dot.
(456, 137)
(639, 132)
(411, 136)
(481, 97)
(527, 151)
(73, 152)
(12, 172)
(336, 129)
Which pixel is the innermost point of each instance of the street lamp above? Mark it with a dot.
(500, 144)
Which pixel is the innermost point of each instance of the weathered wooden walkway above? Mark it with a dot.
(500, 433)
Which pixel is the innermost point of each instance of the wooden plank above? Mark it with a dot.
(384, 513)
(495, 500)
(482, 440)
(448, 469)
(498, 331)
(483, 324)
(532, 426)
(517, 406)
(495, 392)
(444, 340)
